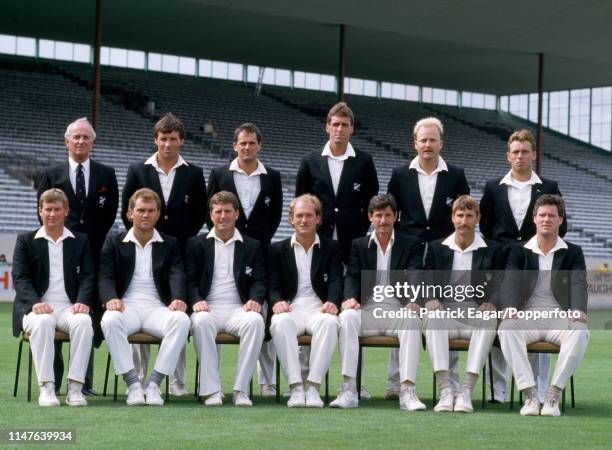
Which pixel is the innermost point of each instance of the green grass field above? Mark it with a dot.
(376, 423)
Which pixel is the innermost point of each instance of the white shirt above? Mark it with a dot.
(383, 259)
(166, 180)
(73, 173)
(427, 182)
(462, 259)
(56, 292)
(303, 262)
(142, 288)
(336, 163)
(247, 186)
(519, 195)
(223, 290)
(542, 297)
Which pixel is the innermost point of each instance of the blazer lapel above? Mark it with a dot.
(263, 192)
(67, 251)
(371, 255)
(324, 168)
(346, 175)
(93, 186)
(177, 187)
(438, 198)
(232, 188)
(128, 252)
(413, 186)
(209, 255)
(536, 191)
(238, 258)
(42, 248)
(289, 263)
(153, 180)
(316, 262)
(477, 258)
(396, 254)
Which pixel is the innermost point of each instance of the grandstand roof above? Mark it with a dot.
(475, 45)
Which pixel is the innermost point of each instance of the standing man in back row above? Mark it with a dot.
(260, 195)
(506, 217)
(344, 179)
(182, 190)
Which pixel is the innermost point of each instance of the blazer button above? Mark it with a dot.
(82, 221)
(428, 228)
(166, 217)
(336, 209)
(519, 238)
(246, 225)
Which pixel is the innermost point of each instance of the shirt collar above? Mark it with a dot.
(477, 243)
(152, 160)
(442, 167)
(535, 179)
(212, 234)
(235, 167)
(295, 242)
(42, 234)
(129, 237)
(73, 165)
(532, 244)
(349, 153)
(374, 238)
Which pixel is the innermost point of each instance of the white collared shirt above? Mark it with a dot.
(303, 262)
(427, 182)
(383, 258)
(542, 297)
(73, 173)
(223, 290)
(519, 195)
(142, 288)
(462, 259)
(56, 292)
(247, 186)
(166, 180)
(336, 163)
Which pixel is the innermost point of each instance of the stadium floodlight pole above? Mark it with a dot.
(97, 77)
(540, 105)
(342, 63)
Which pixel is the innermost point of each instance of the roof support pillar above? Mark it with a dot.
(97, 76)
(539, 148)
(342, 63)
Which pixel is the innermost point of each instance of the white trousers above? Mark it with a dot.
(572, 337)
(234, 320)
(409, 337)
(172, 327)
(41, 328)
(438, 331)
(267, 359)
(305, 318)
(141, 354)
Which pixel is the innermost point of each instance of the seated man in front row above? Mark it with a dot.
(384, 251)
(464, 260)
(305, 292)
(546, 276)
(227, 286)
(54, 281)
(142, 285)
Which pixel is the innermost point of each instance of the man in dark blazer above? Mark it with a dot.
(93, 197)
(54, 279)
(426, 188)
(260, 193)
(473, 266)
(227, 287)
(342, 178)
(506, 211)
(305, 292)
(142, 286)
(182, 190)
(390, 255)
(546, 276)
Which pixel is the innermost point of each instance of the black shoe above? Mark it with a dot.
(89, 391)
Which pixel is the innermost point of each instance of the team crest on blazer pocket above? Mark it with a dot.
(78, 269)
(267, 201)
(186, 198)
(248, 270)
(449, 201)
(357, 187)
(101, 201)
(325, 278)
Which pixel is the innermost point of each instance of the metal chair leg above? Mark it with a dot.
(19, 367)
(167, 388)
(563, 400)
(197, 378)
(572, 393)
(434, 388)
(278, 394)
(491, 377)
(484, 385)
(29, 373)
(512, 393)
(108, 361)
(327, 387)
(115, 389)
(251, 388)
(359, 368)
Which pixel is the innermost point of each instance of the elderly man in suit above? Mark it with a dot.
(390, 255)
(305, 292)
(463, 260)
(93, 198)
(227, 287)
(260, 193)
(506, 211)
(425, 190)
(182, 190)
(546, 275)
(55, 282)
(143, 287)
